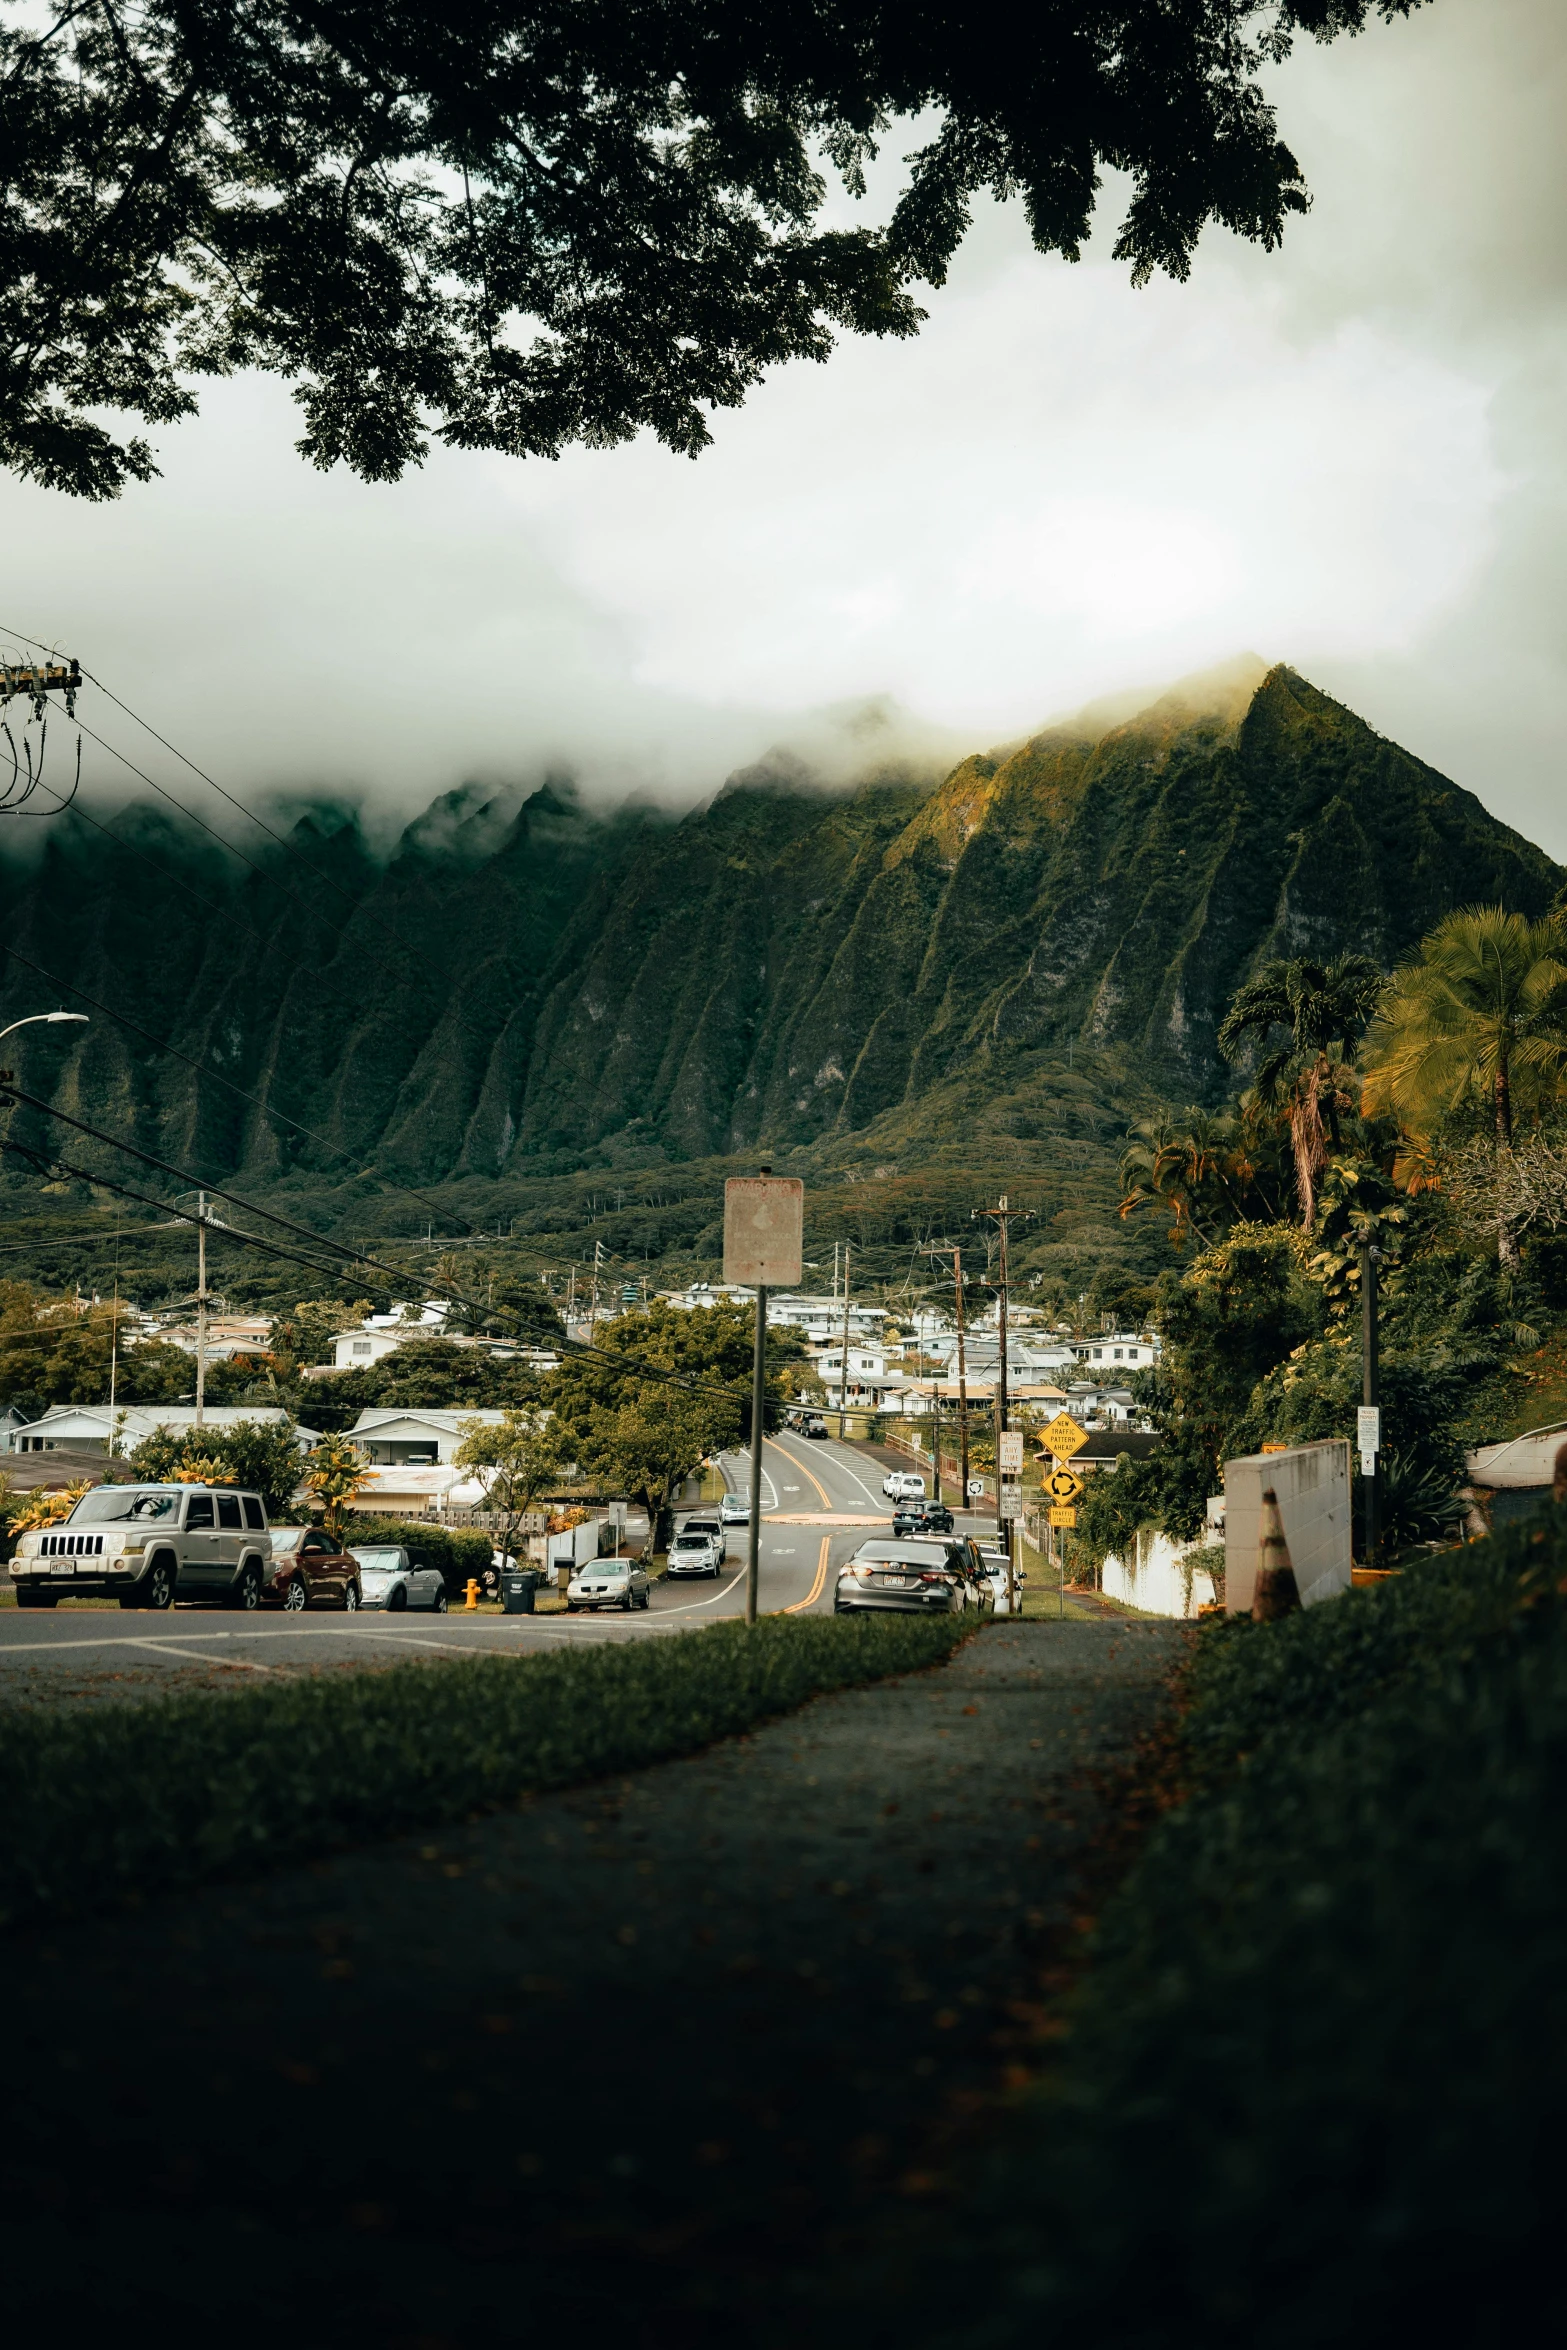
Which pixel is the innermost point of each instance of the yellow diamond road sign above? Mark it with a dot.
(1063, 1517)
(1063, 1486)
(1064, 1437)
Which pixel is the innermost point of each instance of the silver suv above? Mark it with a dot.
(145, 1543)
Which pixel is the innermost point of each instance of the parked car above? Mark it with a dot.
(692, 1553)
(994, 1564)
(621, 1583)
(813, 1425)
(309, 1570)
(713, 1527)
(145, 1544)
(903, 1485)
(922, 1517)
(735, 1509)
(914, 1578)
(395, 1579)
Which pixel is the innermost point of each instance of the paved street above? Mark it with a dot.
(820, 1500)
(636, 2063)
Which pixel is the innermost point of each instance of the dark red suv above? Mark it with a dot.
(308, 1570)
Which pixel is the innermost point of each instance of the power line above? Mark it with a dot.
(12, 1095)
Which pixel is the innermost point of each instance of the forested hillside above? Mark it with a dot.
(514, 995)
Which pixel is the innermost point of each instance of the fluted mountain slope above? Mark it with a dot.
(784, 964)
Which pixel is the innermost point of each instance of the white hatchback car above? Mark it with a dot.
(735, 1509)
(621, 1583)
(903, 1485)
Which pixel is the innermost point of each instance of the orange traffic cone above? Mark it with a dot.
(1275, 1593)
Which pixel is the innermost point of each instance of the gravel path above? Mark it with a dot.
(635, 2058)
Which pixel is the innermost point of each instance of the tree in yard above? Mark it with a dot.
(514, 1458)
(334, 1473)
(518, 226)
(645, 1434)
(260, 1454)
(1477, 1021)
(1317, 1012)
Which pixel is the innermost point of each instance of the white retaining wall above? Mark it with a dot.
(1312, 1483)
(1156, 1577)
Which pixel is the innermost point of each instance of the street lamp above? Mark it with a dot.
(34, 1018)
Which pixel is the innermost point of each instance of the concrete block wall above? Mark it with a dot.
(1158, 1577)
(1312, 1483)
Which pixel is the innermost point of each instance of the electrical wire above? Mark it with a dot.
(530, 1326)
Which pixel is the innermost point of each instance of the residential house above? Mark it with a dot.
(91, 1427)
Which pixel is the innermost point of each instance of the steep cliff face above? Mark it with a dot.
(784, 963)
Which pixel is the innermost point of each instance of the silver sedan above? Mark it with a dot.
(621, 1583)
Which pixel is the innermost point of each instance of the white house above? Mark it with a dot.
(415, 1438)
(89, 1427)
(1131, 1350)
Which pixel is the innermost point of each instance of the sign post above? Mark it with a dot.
(1064, 1438)
(764, 1218)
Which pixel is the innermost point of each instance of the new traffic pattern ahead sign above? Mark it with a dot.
(1064, 1437)
(763, 1220)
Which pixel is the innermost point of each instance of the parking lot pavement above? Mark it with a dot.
(624, 2063)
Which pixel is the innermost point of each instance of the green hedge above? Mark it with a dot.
(120, 1799)
(1315, 2083)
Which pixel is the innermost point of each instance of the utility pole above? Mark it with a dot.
(947, 1249)
(201, 1308)
(843, 1372)
(593, 1310)
(1001, 1216)
(1369, 1418)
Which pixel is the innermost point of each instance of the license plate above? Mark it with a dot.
(895, 1582)
(62, 1567)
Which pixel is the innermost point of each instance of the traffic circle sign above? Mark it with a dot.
(1062, 1486)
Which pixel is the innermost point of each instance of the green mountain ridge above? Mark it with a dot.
(511, 996)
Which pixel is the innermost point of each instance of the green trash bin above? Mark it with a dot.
(518, 1585)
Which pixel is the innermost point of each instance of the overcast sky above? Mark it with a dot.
(1348, 455)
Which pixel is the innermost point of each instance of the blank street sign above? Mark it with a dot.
(763, 1220)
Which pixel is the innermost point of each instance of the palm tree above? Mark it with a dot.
(1197, 1165)
(1479, 1017)
(1301, 1078)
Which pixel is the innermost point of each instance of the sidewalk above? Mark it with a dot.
(630, 2055)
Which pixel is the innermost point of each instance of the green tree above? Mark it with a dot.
(1205, 1168)
(263, 1455)
(1479, 1018)
(1309, 1017)
(521, 227)
(645, 1435)
(437, 1374)
(334, 1472)
(516, 1457)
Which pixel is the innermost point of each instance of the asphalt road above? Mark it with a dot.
(645, 2063)
(820, 1501)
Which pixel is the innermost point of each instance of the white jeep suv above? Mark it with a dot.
(144, 1543)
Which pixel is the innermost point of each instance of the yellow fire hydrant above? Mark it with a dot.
(472, 1599)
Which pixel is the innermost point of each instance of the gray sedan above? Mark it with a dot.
(943, 1575)
(621, 1583)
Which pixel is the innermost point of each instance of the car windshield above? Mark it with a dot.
(690, 1542)
(609, 1567)
(114, 1505)
(903, 1554)
(380, 1562)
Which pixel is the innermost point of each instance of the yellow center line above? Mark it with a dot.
(815, 1592)
(795, 1461)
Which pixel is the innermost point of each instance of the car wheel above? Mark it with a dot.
(625, 1605)
(438, 1603)
(158, 1589)
(247, 1591)
(296, 1597)
(351, 1600)
(647, 1597)
(397, 1599)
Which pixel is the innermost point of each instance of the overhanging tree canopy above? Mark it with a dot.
(521, 226)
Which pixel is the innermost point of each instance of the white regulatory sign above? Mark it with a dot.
(1011, 1503)
(763, 1220)
(1011, 1452)
(1368, 1428)
(976, 1489)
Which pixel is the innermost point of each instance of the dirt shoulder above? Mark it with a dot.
(632, 2056)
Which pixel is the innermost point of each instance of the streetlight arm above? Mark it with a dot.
(34, 1019)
